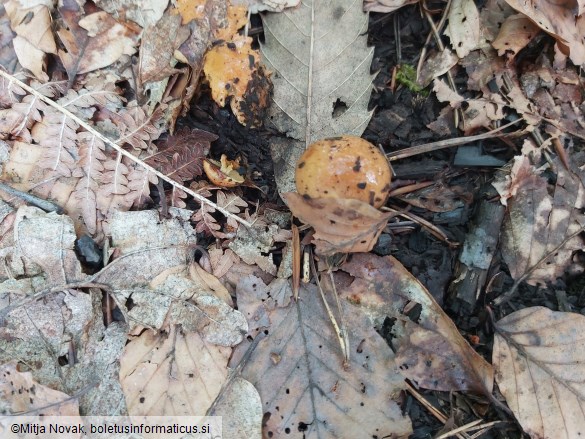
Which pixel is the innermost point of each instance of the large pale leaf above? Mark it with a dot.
(176, 374)
(539, 356)
(429, 349)
(321, 75)
(306, 389)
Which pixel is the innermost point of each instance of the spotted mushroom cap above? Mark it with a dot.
(344, 167)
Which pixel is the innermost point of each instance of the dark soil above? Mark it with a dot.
(400, 121)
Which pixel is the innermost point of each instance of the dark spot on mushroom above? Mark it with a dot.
(362, 185)
(251, 60)
(301, 165)
(231, 46)
(228, 86)
(357, 166)
(306, 197)
(372, 197)
(142, 399)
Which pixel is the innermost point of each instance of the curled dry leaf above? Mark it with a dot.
(298, 371)
(430, 351)
(174, 373)
(559, 19)
(540, 369)
(341, 225)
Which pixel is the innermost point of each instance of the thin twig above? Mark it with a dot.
(431, 408)
(512, 291)
(122, 151)
(448, 143)
(442, 48)
(427, 225)
(439, 28)
(47, 206)
(338, 331)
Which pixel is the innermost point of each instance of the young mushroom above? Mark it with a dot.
(344, 167)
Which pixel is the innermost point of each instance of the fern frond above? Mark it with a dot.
(181, 156)
(112, 175)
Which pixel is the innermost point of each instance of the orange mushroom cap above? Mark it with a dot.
(344, 167)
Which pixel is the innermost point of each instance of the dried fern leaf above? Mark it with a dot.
(181, 155)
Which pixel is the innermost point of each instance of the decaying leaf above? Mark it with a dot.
(430, 351)
(478, 113)
(536, 222)
(175, 373)
(321, 74)
(559, 19)
(436, 65)
(515, 34)
(439, 197)
(208, 224)
(463, 28)
(43, 244)
(538, 356)
(180, 155)
(386, 6)
(93, 41)
(341, 225)
(253, 246)
(256, 6)
(299, 373)
(241, 408)
(143, 12)
(21, 394)
(156, 61)
(34, 38)
(173, 297)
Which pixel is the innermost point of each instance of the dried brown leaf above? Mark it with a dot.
(175, 373)
(21, 393)
(539, 360)
(341, 225)
(298, 371)
(516, 32)
(92, 41)
(536, 222)
(430, 351)
(222, 260)
(159, 42)
(386, 6)
(463, 28)
(560, 20)
(241, 409)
